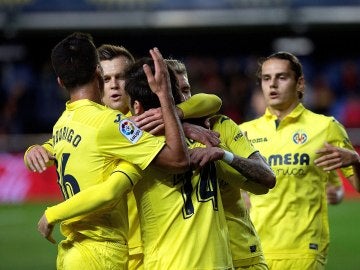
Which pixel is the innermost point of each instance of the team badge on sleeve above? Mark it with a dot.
(130, 130)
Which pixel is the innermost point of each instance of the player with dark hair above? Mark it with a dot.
(164, 213)
(292, 219)
(90, 139)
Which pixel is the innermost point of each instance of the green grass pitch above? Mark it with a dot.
(22, 247)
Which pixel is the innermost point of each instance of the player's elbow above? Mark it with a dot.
(270, 181)
(173, 164)
(258, 190)
(180, 165)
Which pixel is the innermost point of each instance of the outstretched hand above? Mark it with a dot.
(160, 81)
(46, 229)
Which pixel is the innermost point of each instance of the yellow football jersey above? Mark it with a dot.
(292, 219)
(182, 220)
(245, 243)
(88, 140)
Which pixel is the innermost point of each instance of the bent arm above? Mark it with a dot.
(255, 169)
(250, 173)
(236, 179)
(98, 196)
(200, 105)
(333, 157)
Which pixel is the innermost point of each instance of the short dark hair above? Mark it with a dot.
(137, 87)
(75, 59)
(109, 52)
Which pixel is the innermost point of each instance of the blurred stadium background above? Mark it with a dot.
(219, 41)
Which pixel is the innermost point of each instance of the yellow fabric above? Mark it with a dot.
(119, 183)
(182, 220)
(175, 212)
(297, 264)
(135, 244)
(88, 142)
(136, 261)
(200, 105)
(292, 219)
(245, 243)
(334, 179)
(91, 255)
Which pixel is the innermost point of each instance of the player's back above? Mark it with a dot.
(182, 220)
(80, 165)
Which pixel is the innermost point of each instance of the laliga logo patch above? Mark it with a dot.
(299, 137)
(130, 130)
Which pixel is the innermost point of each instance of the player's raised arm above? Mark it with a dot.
(174, 156)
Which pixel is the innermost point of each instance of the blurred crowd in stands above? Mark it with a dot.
(31, 101)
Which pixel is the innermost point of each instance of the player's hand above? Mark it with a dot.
(246, 199)
(200, 134)
(46, 229)
(334, 194)
(199, 157)
(37, 158)
(160, 81)
(332, 157)
(151, 121)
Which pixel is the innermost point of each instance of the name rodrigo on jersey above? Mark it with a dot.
(67, 134)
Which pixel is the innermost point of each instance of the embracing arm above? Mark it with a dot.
(104, 194)
(253, 170)
(38, 157)
(199, 105)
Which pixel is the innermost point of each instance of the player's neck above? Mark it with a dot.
(281, 113)
(89, 91)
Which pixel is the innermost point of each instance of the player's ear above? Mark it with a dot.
(60, 82)
(138, 108)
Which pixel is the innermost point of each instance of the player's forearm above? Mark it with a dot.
(200, 105)
(355, 163)
(355, 181)
(255, 169)
(237, 180)
(90, 199)
(356, 177)
(174, 156)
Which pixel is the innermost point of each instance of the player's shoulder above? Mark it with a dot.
(105, 115)
(321, 119)
(220, 119)
(251, 123)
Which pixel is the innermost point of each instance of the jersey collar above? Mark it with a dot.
(294, 114)
(80, 103)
